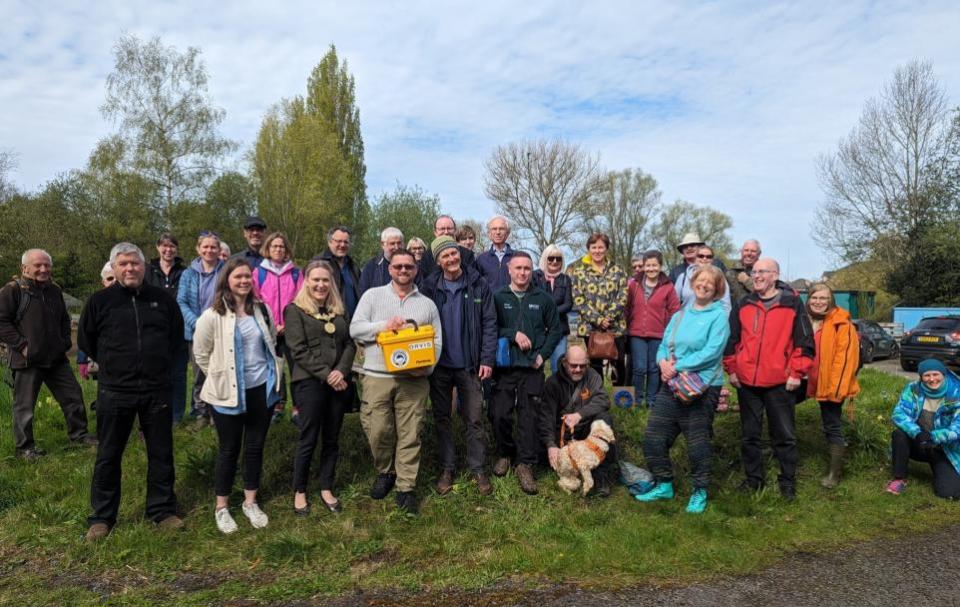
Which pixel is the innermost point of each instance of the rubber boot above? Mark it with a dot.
(832, 479)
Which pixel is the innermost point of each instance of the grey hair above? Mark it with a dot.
(495, 217)
(752, 240)
(390, 232)
(106, 270)
(125, 248)
(336, 229)
(224, 247)
(26, 254)
(450, 217)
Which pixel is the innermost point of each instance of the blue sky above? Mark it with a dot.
(727, 104)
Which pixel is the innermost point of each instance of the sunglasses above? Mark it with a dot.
(576, 366)
(409, 267)
(110, 278)
(704, 256)
(553, 258)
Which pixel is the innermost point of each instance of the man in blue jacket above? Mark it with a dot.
(493, 262)
(376, 272)
(469, 322)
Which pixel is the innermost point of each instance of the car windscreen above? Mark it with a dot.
(938, 324)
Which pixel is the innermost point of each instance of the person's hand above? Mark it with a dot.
(667, 368)
(553, 454)
(340, 387)
(83, 368)
(538, 363)
(485, 372)
(280, 330)
(792, 383)
(334, 378)
(605, 323)
(744, 279)
(523, 342)
(572, 419)
(734, 380)
(396, 323)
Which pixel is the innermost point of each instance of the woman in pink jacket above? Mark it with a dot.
(276, 282)
(651, 302)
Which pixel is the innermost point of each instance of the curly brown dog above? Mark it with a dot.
(578, 458)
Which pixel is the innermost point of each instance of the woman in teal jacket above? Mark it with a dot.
(693, 343)
(927, 421)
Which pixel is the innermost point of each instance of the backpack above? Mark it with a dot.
(6, 353)
(262, 275)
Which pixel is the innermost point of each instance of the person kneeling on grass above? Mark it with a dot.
(690, 353)
(928, 429)
(574, 396)
(235, 347)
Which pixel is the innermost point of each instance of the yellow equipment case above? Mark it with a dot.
(409, 348)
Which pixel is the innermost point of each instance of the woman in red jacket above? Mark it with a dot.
(651, 302)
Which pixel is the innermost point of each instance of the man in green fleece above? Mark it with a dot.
(526, 317)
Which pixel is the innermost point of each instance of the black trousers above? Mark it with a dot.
(116, 412)
(247, 430)
(442, 382)
(778, 404)
(669, 418)
(321, 417)
(831, 415)
(946, 481)
(63, 384)
(517, 389)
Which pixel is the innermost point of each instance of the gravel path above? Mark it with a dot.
(909, 571)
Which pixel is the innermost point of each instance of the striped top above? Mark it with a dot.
(379, 304)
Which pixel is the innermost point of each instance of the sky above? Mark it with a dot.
(727, 104)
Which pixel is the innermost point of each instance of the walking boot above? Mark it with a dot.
(832, 479)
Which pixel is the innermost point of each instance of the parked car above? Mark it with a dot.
(933, 337)
(875, 342)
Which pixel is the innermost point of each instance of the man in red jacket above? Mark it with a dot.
(770, 349)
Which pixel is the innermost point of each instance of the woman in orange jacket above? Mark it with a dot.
(833, 376)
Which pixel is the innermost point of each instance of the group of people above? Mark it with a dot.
(252, 320)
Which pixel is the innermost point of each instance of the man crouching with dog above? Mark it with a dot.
(573, 399)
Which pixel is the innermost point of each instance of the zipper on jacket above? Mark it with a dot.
(136, 322)
(763, 328)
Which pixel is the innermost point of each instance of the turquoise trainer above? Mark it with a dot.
(662, 491)
(698, 502)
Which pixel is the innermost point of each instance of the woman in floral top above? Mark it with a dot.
(600, 297)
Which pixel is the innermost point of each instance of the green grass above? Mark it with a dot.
(460, 541)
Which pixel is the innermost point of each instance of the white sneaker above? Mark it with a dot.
(225, 522)
(257, 516)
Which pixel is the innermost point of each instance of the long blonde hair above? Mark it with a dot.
(307, 303)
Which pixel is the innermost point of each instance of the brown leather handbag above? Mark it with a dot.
(602, 345)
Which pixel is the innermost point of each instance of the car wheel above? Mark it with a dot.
(895, 350)
(908, 365)
(868, 351)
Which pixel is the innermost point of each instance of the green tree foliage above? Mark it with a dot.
(229, 200)
(308, 163)
(166, 117)
(410, 209)
(624, 209)
(681, 217)
(8, 162)
(930, 276)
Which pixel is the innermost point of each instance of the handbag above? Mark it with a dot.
(602, 345)
(687, 386)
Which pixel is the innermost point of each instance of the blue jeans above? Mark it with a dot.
(646, 372)
(559, 351)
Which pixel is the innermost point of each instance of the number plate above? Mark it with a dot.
(928, 339)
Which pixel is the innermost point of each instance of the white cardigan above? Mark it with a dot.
(213, 343)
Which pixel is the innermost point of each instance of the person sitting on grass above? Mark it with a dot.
(692, 348)
(575, 396)
(928, 429)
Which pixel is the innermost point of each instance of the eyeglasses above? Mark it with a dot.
(553, 258)
(416, 248)
(704, 256)
(399, 267)
(755, 271)
(577, 366)
(338, 241)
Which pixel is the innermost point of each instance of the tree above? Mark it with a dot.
(681, 217)
(8, 162)
(880, 183)
(913, 279)
(623, 209)
(308, 162)
(410, 209)
(543, 187)
(228, 201)
(301, 177)
(483, 242)
(159, 97)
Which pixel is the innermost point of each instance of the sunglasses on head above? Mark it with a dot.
(208, 233)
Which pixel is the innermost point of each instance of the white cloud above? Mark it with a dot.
(726, 104)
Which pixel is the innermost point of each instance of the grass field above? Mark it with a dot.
(461, 540)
